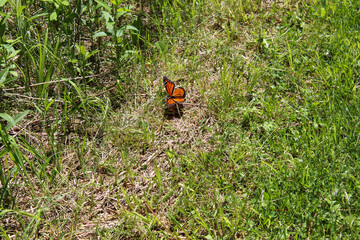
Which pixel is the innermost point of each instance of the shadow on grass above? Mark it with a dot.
(173, 113)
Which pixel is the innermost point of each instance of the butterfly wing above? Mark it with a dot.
(179, 93)
(170, 102)
(169, 86)
(173, 101)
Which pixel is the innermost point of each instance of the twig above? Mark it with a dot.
(33, 98)
(309, 231)
(35, 84)
(56, 81)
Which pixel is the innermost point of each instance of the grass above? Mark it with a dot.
(267, 145)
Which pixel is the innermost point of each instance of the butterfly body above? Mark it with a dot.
(176, 95)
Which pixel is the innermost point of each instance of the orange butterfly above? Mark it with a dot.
(177, 95)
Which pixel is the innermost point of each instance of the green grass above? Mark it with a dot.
(267, 145)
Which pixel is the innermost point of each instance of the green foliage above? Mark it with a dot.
(119, 26)
(10, 152)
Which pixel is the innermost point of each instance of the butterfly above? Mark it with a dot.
(177, 95)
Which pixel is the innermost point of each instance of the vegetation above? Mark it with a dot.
(266, 146)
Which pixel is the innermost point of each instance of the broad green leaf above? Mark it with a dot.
(10, 48)
(107, 16)
(100, 34)
(20, 116)
(91, 53)
(7, 117)
(53, 16)
(323, 12)
(17, 119)
(37, 16)
(2, 24)
(123, 10)
(15, 74)
(119, 33)
(81, 49)
(65, 3)
(103, 4)
(129, 27)
(3, 2)
(116, 2)
(109, 22)
(3, 76)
